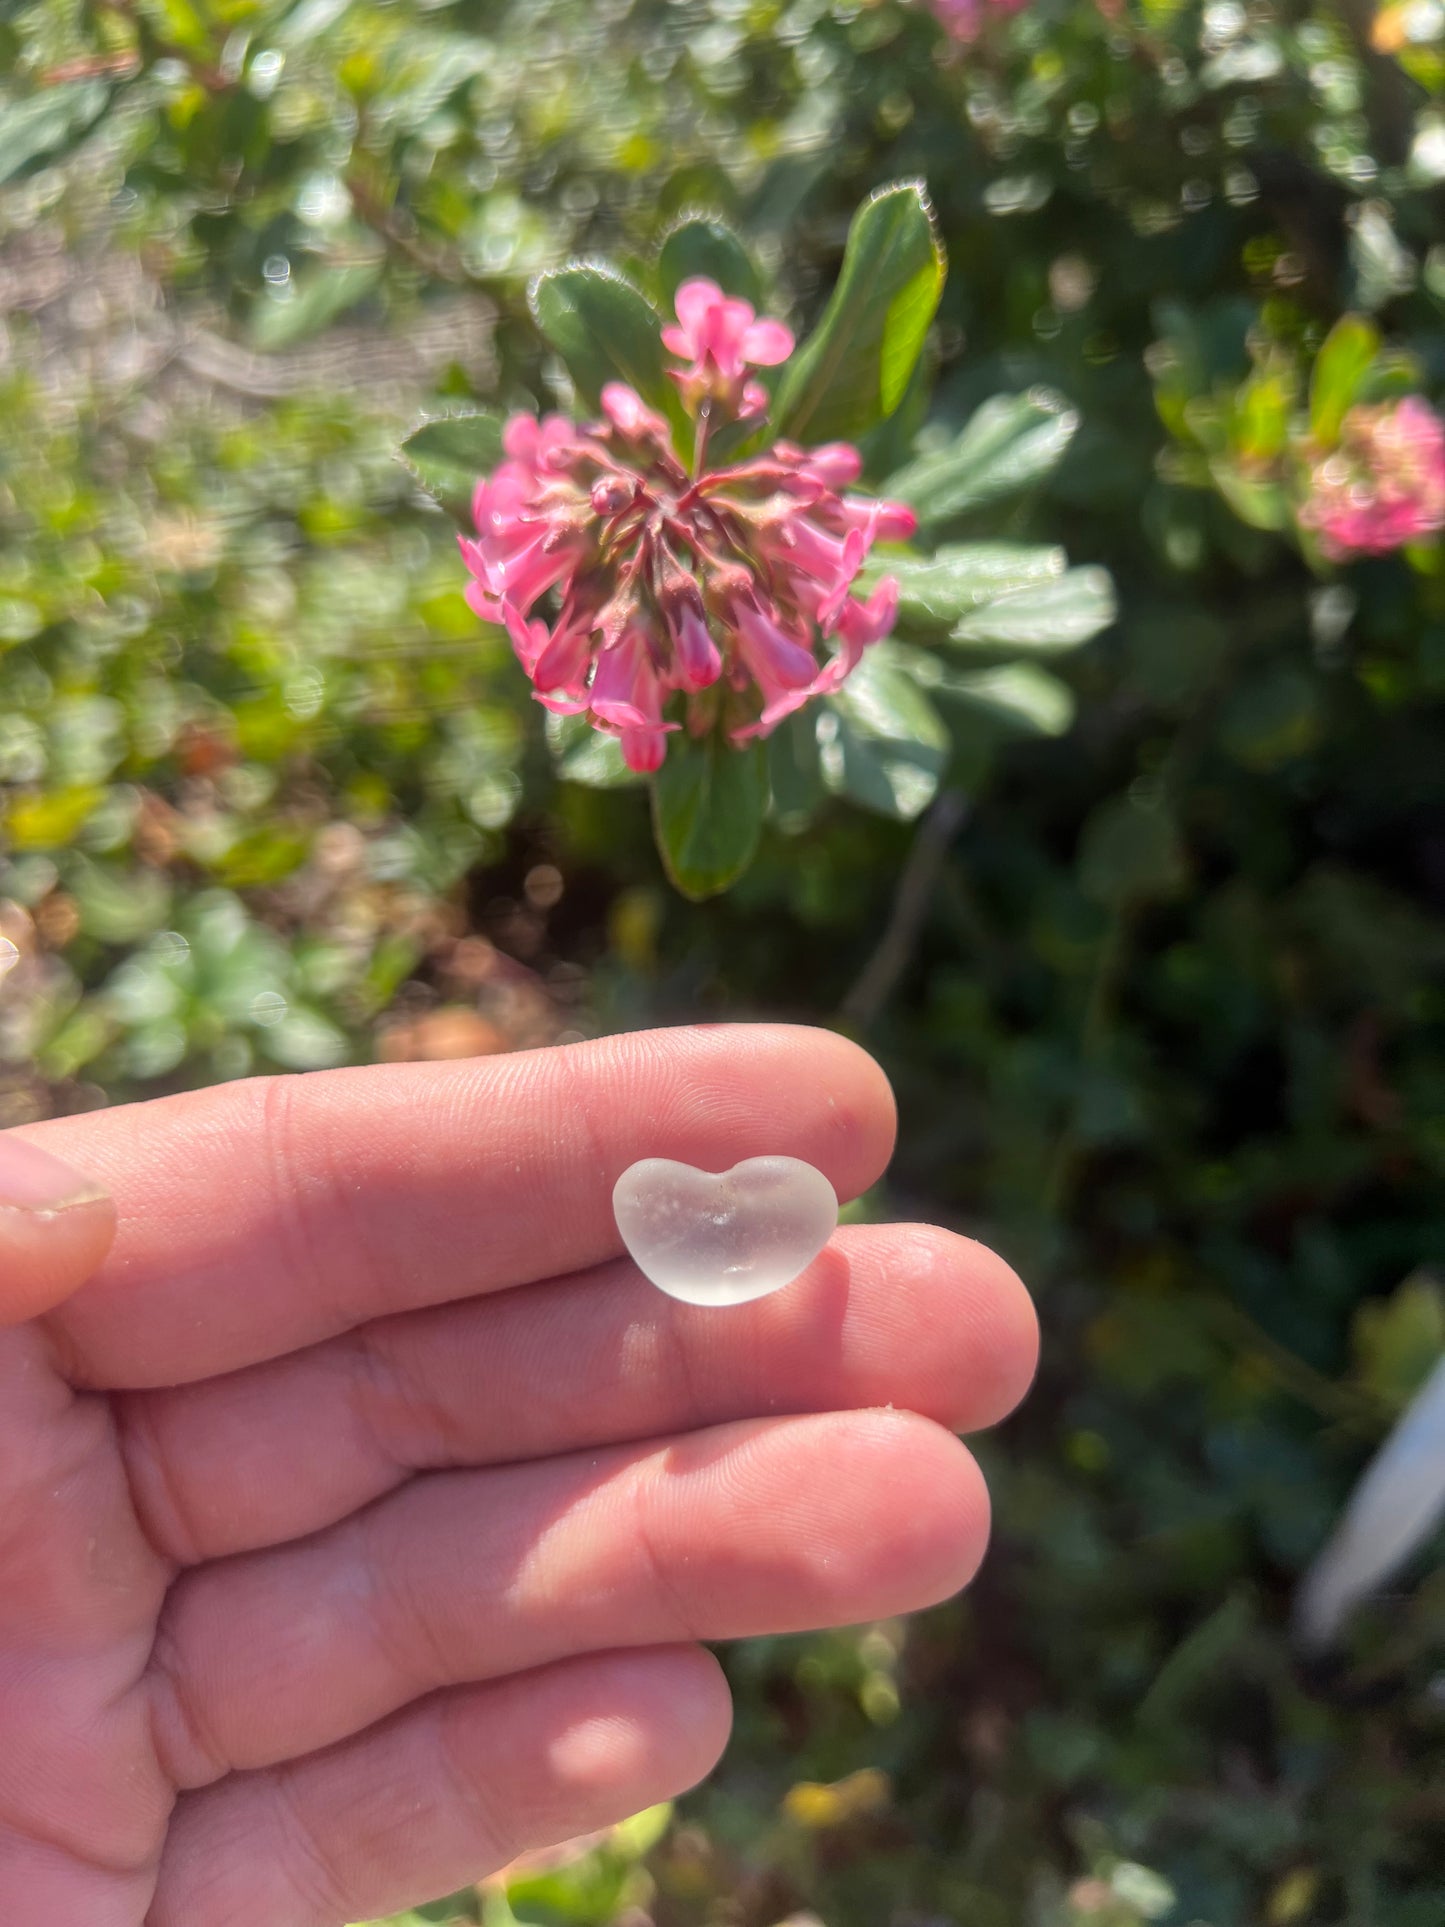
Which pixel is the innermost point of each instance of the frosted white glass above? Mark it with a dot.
(723, 1238)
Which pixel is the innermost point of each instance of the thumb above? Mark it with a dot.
(55, 1228)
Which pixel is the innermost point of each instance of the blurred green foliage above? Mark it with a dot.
(1159, 971)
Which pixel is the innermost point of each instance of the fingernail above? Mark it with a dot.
(33, 1180)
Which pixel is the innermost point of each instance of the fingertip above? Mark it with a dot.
(938, 1529)
(48, 1253)
(841, 1517)
(658, 1720)
(827, 1100)
(1005, 1338)
(863, 1106)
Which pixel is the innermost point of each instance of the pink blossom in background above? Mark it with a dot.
(721, 587)
(964, 19)
(1384, 486)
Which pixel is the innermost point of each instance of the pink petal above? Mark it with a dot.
(696, 653)
(766, 343)
(521, 436)
(694, 303)
(644, 749)
(529, 639)
(624, 689)
(626, 410)
(482, 602)
(835, 463)
(563, 664)
(563, 705)
(774, 658)
(755, 401)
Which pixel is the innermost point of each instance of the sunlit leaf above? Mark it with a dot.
(41, 126)
(708, 801)
(853, 370)
(449, 456)
(1011, 443)
(704, 244)
(937, 591)
(584, 755)
(1343, 362)
(54, 821)
(1016, 696)
(604, 330)
(313, 301)
(882, 743)
(1058, 614)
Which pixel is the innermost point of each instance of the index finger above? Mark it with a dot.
(259, 1217)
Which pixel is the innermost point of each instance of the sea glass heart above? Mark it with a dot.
(721, 1238)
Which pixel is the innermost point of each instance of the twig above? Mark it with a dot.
(121, 66)
(880, 974)
(442, 263)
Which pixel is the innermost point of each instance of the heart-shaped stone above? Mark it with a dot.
(721, 1238)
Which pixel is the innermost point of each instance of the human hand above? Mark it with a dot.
(359, 1517)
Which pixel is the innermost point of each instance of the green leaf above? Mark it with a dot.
(795, 773)
(638, 1836)
(1341, 366)
(431, 68)
(307, 21)
(584, 755)
(1054, 615)
(119, 905)
(1274, 718)
(854, 368)
(936, 592)
(53, 821)
(313, 304)
(304, 1040)
(604, 330)
(1384, 266)
(1205, 1657)
(1012, 442)
(882, 743)
(1130, 854)
(448, 455)
(1261, 503)
(1399, 1340)
(46, 123)
(708, 801)
(1016, 695)
(704, 244)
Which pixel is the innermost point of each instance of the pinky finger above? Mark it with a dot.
(444, 1792)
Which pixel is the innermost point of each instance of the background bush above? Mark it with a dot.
(1158, 975)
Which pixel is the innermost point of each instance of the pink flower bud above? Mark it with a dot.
(626, 410)
(611, 495)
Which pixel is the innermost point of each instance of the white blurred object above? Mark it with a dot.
(1391, 1512)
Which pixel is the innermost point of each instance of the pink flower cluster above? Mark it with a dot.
(1384, 486)
(964, 19)
(709, 591)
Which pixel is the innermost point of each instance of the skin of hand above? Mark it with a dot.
(362, 1508)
